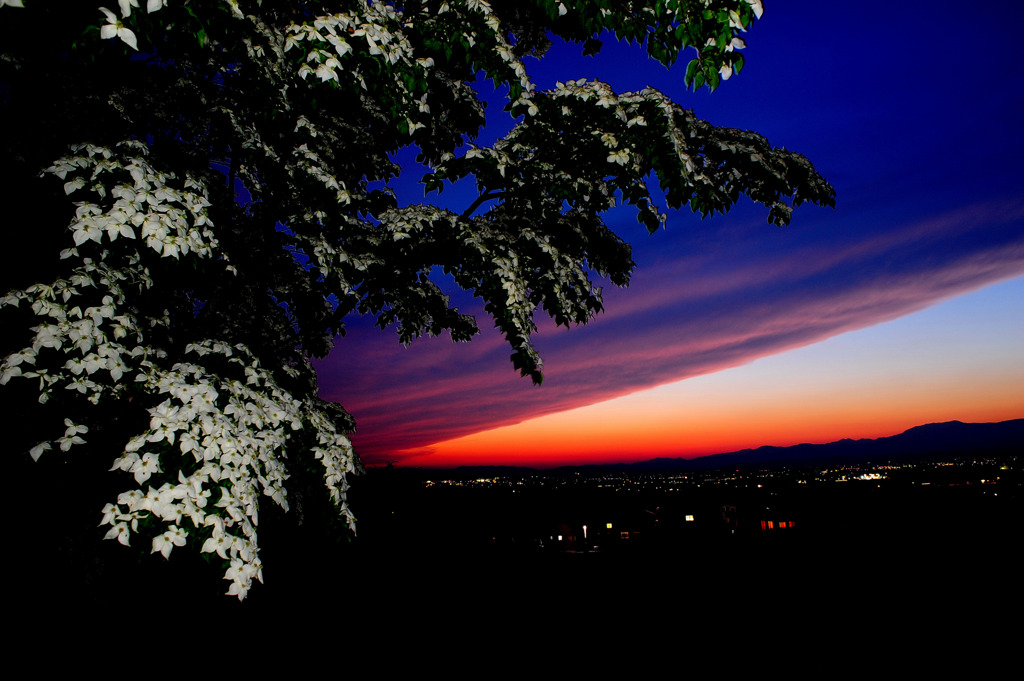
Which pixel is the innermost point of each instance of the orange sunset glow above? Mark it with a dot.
(870, 383)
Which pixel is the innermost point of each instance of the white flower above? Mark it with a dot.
(8, 373)
(11, 3)
(240, 574)
(115, 29)
(125, 462)
(145, 467)
(119, 532)
(110, 513)
(165, 543)
(38, 450)
(218, 543)
(621, 157)
(71, 435)
(130, 499)
(126, 6)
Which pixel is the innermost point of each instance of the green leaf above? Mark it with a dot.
(691, 72)
(592, 46)
(656, 50)
(681, 35)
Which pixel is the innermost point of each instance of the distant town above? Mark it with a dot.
(623, 509)
(772, 529)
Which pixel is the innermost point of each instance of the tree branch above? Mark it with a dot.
(481, 199)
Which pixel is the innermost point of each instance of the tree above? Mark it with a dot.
(215, 177)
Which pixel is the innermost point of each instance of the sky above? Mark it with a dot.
(903, 305)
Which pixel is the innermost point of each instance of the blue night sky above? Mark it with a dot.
(903, 305)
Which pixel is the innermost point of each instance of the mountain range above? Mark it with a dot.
(941, 439)
(951, 438)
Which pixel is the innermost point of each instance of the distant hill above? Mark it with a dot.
(950, 438)
(939, 439)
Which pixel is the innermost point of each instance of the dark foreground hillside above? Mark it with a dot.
(933, 552)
